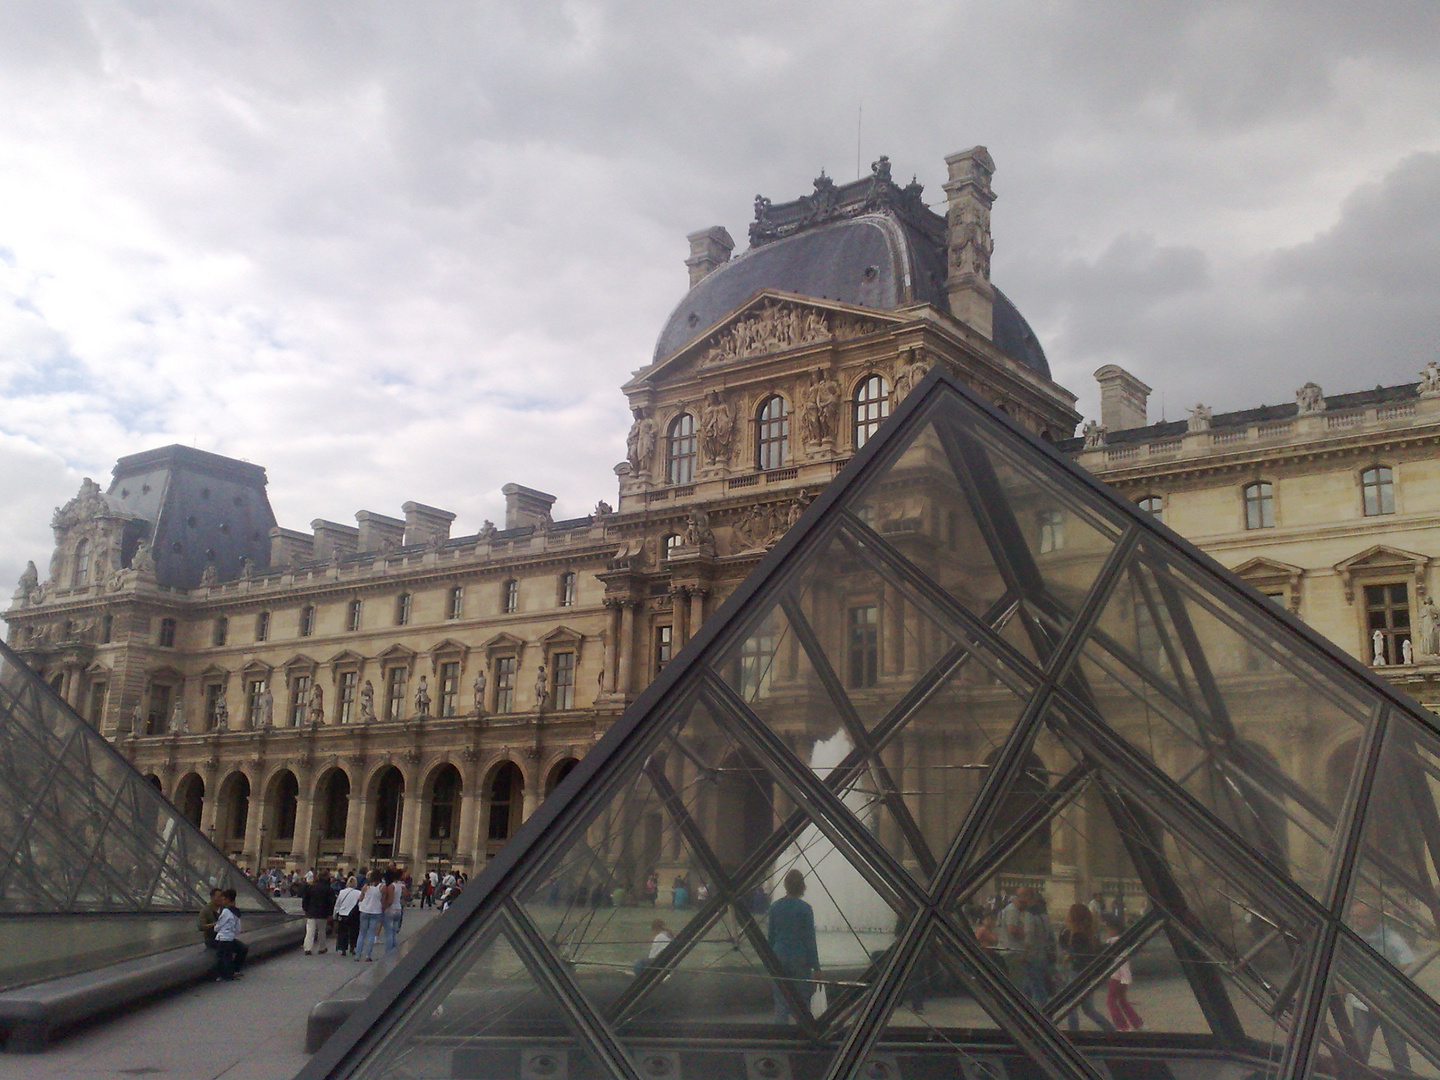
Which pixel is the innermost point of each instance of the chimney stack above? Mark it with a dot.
(709, 248)
(968, 243)
(378, 530)
(425, 523)
(526, 506)
(332, 538)
(1124, 399)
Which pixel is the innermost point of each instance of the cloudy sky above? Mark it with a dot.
(410, 251)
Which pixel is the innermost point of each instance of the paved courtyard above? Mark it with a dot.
(253, 1029)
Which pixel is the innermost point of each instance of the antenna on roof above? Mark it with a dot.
(859, 127)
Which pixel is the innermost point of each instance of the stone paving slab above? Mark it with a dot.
(253, 1029)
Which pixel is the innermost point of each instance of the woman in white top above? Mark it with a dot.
(394, 910)
(372, 907)
(347, 918)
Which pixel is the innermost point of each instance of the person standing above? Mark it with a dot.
(1081, 945)
(317, 901)
(393, 911)
(792, 940)
(372, 909)
(228, 950)
(1023, 941)
(347, 918)
(1117, 991)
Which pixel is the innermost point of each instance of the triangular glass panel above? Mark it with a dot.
(1372, 1028)
(1185, 675)
(1395, 898)
(935, 999)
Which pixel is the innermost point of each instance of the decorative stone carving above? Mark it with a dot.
(265, 707)
(1377, 642)
(760, 526)
(911, 369)
(1428, 646)
(367, 702)
(1199, 418)
(1309, 399)
(542, 688)
(830, 202)
(1094, 433)
(88, 504)
(143, 561)
(602, 510)
(819, 405)
(1407, 651)
(29, 583)
(717, 430)
(209, 576)
(1430, 380)
(487, 529)
(641, 442)
(222, 712)
(971, 244)
(177, 718)
(315, 714)
(779, 325)
(478, 690)
(422, 698)
(697, 529)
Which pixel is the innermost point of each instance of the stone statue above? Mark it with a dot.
(245, 567)
(478, 689)
(602, 509)
(818, 403)
(641, 442)
(1309, 399)
(908, 375)
(316, 712)
(1429, 628)
(143, 562)
(177, 718)
(542, 688)
(29, 579)
(1199, 419)
(137, 721)
(367, 702)
(1430, 380)
(209, 576)
(222, 712)
(487, 530)
(1407, 651)
(422, 698)
(717, 429)
(265, 708)
(697, 529)
(1377, 640)
(1094, 433)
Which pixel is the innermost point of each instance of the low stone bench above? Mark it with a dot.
(31, 1015)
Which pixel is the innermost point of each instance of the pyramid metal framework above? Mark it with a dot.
(96, 866)
(1038, 761)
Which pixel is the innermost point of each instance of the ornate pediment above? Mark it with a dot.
(776, 325)
(1381, 559)
(1265, 573)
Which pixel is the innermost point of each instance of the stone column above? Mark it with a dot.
(533, 792)
(415, 810)
(627, 648)
(303, 851)
(253, 821)
(697, 612)
(612, 640)
(681, 610)
(355, 853)
(467, 836)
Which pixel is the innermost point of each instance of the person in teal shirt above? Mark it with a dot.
(792, 939)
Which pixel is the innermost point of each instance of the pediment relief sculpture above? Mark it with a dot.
(780, 325)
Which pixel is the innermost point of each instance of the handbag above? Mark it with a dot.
(819, 1002)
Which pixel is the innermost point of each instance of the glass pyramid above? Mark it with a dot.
(96, 866)
(982, 773)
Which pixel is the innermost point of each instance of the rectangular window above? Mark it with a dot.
(220, 632)
(864, 626)
(262, 626)
(254, 690)
(107, 628)
(97, 702)
(307, 620)
(213, 693)
(664, 642)
(1259, 505)
(1387, 611)
(345, 696)
(449, 687)
(510, 597)
(396, 679)
(756, 661)
(352, 616)
(1378, 488)
(562, 666)
(299, 699)
(159, 714)
(456, 606)
(1052, 531)
(402, 609)
(504, 684)
(167, 633)
(567, 590)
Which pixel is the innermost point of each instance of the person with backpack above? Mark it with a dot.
(372, 909)
(317, 901)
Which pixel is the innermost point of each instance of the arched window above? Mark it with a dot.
(1259, 505)
(668, 546)
(1153, 505)
(80, 572)
(772, 433)
(567, 589)
(872, 405)
(510, 597)
(1377, 486)
(444, 803)
(680, 450)
(506, 789)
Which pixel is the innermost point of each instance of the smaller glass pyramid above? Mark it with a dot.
(984, 774)
(95, 865)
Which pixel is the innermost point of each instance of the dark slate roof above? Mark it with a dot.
(203, 508)
(870, 243)
(1173, 429)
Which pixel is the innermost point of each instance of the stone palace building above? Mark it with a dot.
(386, 691)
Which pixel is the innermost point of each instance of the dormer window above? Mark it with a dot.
(681, 449)
(772, 434)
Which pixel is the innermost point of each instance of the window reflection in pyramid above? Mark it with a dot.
(981, 773)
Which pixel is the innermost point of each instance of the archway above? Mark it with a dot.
(561, 770)
(154, 781)
(444, 822)
(744, 808)
(190, 798)
(332, 815)
(232, 813)
(388, 798)
(1033, 856)
(506, 792)
(281, 802)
